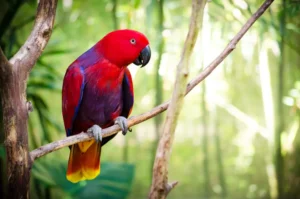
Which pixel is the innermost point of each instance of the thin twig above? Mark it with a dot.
(56, 145)
(230, 47)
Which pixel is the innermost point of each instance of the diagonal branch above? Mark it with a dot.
(56, 145)
(38, 38)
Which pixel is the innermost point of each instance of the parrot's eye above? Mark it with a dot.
(132, 41)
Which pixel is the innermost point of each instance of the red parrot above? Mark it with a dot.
(98, 92)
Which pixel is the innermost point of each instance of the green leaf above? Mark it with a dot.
(56, 52)
(293, 27)
(114, 182)
(43, 85)
(49, 67)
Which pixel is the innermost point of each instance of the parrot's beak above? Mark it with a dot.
(144, 57)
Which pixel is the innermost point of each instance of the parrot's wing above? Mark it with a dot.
(72, 93)
(127, 92)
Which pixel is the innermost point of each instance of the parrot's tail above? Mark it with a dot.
(84, 161)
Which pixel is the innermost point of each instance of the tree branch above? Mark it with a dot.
(160, 187)
(56, 145)
(38, 39)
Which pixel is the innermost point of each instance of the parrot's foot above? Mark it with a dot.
(97, 132)
(122, 122)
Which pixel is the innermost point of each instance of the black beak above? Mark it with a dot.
(144, 57)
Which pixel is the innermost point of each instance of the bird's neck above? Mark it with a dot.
(105, 73)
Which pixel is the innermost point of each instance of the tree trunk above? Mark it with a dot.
(158, 80)
(15, 109)
(219, 153)
(114, 14)
(15, 116)
(205, 116)
(279, 162)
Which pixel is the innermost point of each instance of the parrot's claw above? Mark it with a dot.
(97, 132)
(122, 122)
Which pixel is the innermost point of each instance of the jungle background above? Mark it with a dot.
(238, 133)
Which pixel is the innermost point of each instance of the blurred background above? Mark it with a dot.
(238, 133)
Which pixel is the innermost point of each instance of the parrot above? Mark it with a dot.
(97, 92)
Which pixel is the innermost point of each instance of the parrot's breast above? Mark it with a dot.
(102, 98)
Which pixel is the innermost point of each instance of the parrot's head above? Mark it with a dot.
(123, 47)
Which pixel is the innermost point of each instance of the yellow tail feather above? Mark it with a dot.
(84, 161)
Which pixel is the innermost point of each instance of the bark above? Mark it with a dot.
(15, 108)
(15, 116)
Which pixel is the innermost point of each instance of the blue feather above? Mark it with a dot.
(79, 103)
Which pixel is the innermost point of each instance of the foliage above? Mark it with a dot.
(114, 181)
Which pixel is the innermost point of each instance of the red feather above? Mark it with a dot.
(71, 95)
